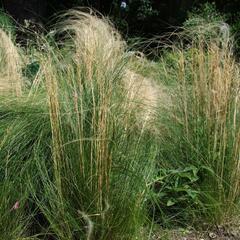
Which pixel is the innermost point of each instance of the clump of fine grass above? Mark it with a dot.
(21, 127)
(91, 128)
(216, 107)
(205, 127)
(86, 161)
(93, 42)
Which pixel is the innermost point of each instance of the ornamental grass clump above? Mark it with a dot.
(86, 162)
(203, 128)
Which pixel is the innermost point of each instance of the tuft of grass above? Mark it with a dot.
(203, 129)
(21, 125)
(86, 161)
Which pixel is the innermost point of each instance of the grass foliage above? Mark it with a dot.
(200, 148)
(92, 148)
(71, 143)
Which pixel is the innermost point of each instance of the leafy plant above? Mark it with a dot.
(145, 9)
(178, 195)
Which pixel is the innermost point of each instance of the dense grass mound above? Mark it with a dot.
(199, 171)
(74, 163)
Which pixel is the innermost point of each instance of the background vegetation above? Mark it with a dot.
(141, 18)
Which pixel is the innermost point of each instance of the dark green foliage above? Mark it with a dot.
(6, 23)
(177, 195)
(234, 20)
(144, 9)
(30, 71)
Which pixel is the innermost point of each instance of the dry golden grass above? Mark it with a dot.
(96, 42)
(211, 108)
(10, 66)
(143, 94)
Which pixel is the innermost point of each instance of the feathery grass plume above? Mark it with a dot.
(10, 66)
(147, 90)
(144, 96)
(93, 42)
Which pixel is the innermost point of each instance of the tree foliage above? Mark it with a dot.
(140, 18)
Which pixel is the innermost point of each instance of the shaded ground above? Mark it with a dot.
(218, 233)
